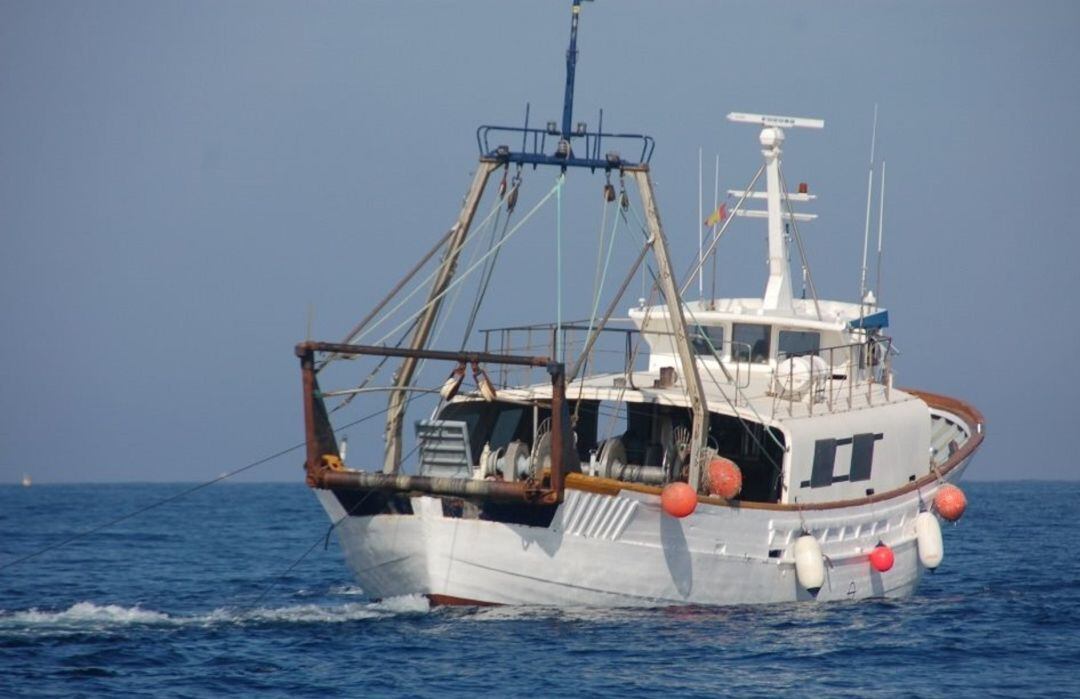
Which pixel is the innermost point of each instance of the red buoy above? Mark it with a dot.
(950, 502)
(881, 558)
(678, 499)
(725, 478)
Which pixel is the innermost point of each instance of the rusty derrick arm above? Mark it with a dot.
(322, 451)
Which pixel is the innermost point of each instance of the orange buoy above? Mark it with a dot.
(950, 502)
(725, 478)
(678, 499)
(881, 558)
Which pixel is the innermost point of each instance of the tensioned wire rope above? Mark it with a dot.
(259, 462)
(510, 198)
(362, 330)
(637, 346)
(476, 233)
(603, 262)
(727, 375)
(442, 323)
(177, 496)
(193, 489)
(454, 283)
(601, 274)
(357, 332)
(481, 291)
(481, 288)
(688, 310)
(325, 538)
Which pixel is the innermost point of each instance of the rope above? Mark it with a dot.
(424, 283)
(468, 271)
(147, 508)
(164, 501)
(604, 206)
(599, 287)
(374, 372)
(716, 383)
(599, 278)
(558, 266)
(325, 537)
(489, 267)
(405, 280)
(716, 238)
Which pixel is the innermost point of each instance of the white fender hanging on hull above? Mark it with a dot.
(809, 563)
(928, 536)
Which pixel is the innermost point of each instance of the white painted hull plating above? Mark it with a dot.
(622, 550)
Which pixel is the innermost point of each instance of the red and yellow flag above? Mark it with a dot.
(717, 216)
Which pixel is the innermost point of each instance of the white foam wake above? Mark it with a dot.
(349, 590)
(316, 613)
(87, 616)
(84, 614)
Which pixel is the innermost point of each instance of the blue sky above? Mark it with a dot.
(181, 181)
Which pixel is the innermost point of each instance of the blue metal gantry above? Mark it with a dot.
(553, 145)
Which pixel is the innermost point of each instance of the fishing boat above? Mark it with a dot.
(740, 450)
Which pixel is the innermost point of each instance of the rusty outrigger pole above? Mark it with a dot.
(323, 465)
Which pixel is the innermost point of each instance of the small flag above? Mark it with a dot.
(717, 216)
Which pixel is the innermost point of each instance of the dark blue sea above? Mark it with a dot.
(213, 595)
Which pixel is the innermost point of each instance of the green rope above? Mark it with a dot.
(602, 274)
(558, 266)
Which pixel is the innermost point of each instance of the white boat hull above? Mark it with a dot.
(622, 550)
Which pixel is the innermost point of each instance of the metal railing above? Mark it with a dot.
(612, 353)
(736, 358)
(847, 369)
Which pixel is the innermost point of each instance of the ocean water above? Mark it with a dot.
(230, 592)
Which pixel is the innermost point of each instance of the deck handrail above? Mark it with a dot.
(864, 365)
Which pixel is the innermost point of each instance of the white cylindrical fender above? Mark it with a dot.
(928, 536)
(809, 563)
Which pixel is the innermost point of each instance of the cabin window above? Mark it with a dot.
(707, 339)
(750, 341)
(797, 342)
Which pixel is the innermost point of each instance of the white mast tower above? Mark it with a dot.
(778, 290)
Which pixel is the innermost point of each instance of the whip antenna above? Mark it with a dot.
(869, 194)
